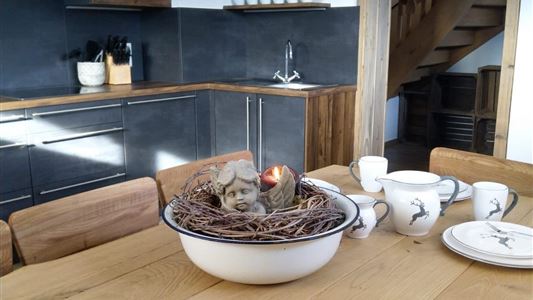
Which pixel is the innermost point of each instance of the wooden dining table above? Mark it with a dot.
(152, 264)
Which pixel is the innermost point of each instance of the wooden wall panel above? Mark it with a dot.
(330, 130)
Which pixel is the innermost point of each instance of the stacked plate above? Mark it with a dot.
(498, 243)
(445, 190)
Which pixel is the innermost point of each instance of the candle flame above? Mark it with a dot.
(277, 173)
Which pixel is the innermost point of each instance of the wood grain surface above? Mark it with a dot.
(171, 181)
(155, 88)
(71, 224)
(472, 167)
(329, 129)
(386, 265)
(6, 249)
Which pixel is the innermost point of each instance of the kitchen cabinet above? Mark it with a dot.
(272, 127)
(160, 132)
(75, 148)
(15, 180)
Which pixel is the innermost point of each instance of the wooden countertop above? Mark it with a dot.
(151, 264)
(123, 91)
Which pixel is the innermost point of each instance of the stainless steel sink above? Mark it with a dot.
(295, 85)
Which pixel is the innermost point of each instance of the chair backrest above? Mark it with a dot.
(170, 181)
(6, 249)
(471, 167)
(71, 224)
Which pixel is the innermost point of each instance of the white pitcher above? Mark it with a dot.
(414, 200)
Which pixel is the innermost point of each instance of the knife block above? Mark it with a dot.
(117, 74)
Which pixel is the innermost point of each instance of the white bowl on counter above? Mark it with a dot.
(264, 262)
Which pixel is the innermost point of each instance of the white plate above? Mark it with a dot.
(449, 241)
(445, 188)
(322, 184)
(460, 197)
(478, 236)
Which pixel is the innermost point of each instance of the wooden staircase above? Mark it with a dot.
(429, 36)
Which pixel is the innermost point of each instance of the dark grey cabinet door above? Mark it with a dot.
(14, 165)
(160, 132)
(235, 122)
(282, 131)
(13, 201)
(76, 153)
(14, 158)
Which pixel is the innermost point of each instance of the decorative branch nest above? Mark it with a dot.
(198, 209)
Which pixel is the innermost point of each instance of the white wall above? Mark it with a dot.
(520, 139)
(488, 54)
(218, 4)
(391, 119)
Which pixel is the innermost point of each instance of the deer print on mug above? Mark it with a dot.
(421, 213)
(359, 225)
(496, 210)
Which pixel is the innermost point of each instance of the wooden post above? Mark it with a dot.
(372, 74)
(512, 14)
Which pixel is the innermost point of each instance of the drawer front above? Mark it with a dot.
(13, 123)
(59, 117)
(14, 165)
(80, 152)
(57, 190)
(13, 201)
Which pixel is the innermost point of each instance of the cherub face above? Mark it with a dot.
(241, 195)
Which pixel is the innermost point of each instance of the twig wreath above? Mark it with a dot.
(198, 209)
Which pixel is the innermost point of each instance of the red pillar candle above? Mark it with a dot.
(272, 174)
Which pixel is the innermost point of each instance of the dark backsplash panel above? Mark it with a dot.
(32, 35)
(219, 44)
(324, 44)
(213, 44)
(161, 45)
(35, 35)
(84, 25)
(178, 45)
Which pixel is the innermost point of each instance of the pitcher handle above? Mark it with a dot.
(454, 194)
(513, 203)
(386, 211)
(350, 168)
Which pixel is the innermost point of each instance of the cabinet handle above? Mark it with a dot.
(15, 146)
(82, 135)
(260, 148)
(13, 118)
(81, 184)
(248, 123)
(161, 100)
(66, 111)
(15, 199)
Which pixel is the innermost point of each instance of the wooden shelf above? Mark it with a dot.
(279, 7)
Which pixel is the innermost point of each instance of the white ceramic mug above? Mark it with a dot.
(370, 167)
(489, 200)
(367, 216)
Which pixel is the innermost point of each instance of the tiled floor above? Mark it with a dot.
(407, 156)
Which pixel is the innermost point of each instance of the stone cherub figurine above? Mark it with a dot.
(237, 185)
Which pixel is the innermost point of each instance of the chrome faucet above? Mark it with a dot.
(288, 56)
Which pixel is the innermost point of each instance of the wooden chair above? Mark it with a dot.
(71, 224)
(6, 249)
(170, 181)
(471, 167)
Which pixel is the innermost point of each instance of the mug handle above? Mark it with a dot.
(513, 203)
(350, 168)
(386, 211)
(454, 194)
